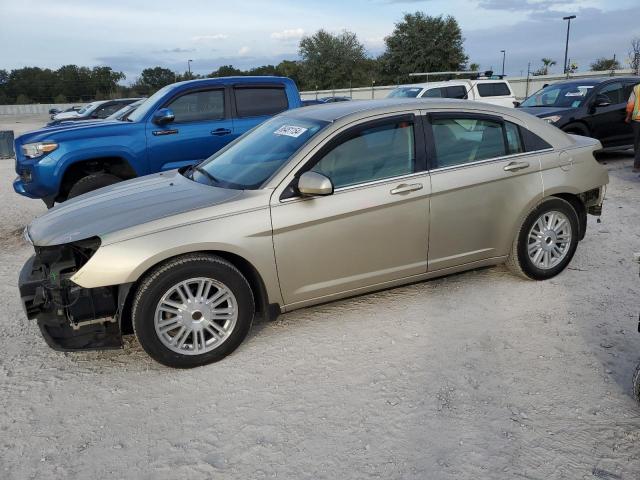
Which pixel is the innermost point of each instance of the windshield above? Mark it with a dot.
(567, 96)
(125, 111)
(405, 92)
(256, 156)
(148, 104)
(86, 108)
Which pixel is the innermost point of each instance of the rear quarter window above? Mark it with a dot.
(257, 101)
(498, 89)
(533, 142)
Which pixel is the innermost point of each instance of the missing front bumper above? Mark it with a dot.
(70, 317)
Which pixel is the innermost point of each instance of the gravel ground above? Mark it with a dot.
(479, 375)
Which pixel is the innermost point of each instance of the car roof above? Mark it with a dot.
(453, 81)
(330, 112)
(594, 81)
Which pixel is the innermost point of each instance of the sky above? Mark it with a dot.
(130, 35)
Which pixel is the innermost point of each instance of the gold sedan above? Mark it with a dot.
(315, 204)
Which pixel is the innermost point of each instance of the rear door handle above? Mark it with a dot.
(515, 166)
(220, 132)
(404, 188)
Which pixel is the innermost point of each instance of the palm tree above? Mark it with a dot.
(547, 62)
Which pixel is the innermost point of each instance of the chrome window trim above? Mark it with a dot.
(490, 160)
(360, 185)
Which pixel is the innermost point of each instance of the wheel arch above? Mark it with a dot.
(580, 208)
(74, 171)
(263, 308)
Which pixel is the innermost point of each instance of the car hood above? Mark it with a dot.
(542, 112)
(65, 115)
(123, 205)
(44, 133)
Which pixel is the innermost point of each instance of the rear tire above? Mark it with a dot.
(92, 182)
(193, 310)
(547, 240)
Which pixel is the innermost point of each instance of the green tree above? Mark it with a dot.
(60, 98)
(546, 64)
(226, 71)
(331, 61)
(604, 63)
(291, 69)
(422, 43)
(474, 67)
(22, 99)
(153, 79)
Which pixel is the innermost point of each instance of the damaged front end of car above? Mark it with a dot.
(70, 317)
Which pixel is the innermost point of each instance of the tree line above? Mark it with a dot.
(418, 43)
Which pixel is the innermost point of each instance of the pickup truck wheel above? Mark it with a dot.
(92, 182)
(547, 240)
(193, 310)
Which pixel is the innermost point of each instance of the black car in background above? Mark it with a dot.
(593, 107)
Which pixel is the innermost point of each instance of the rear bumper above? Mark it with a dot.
(70, 318)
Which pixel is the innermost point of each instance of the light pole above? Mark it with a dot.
(504, 54)
(566, 46)
(189, 67)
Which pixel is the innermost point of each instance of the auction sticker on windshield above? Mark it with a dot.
(290, 131)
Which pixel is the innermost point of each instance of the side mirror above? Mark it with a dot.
(163, 116)
(602, 101)
(516, 104)
(313, 183)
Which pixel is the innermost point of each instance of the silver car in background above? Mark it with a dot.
(313, 205)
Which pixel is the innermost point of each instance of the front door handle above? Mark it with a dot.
(515, 166)
(160, 133)
(220, 132)
(404, 188)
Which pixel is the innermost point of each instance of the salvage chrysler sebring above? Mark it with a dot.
(315, 204)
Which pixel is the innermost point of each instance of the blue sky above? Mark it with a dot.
(132, 34)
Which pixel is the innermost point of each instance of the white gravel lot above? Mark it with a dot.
(479, 375)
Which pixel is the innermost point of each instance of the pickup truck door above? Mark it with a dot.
(255, 103)
(202, 126)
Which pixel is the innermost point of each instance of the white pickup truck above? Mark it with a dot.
(497, 92)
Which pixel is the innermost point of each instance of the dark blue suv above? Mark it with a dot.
(181, 124)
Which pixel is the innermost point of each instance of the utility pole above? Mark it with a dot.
(504, 54)
(528, 73)
(566, 46)
(189, 67)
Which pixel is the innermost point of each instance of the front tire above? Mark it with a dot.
(547, 240)
(92, 182)
(193, 310)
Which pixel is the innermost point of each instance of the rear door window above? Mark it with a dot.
(457, 91)
(461, 140)
(258, 101)
(514, 140)
(435, 93)
(496, 89)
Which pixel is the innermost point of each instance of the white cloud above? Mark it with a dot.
(214, 36)
(244, 50)
(290, 34)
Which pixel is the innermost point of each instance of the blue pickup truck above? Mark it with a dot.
(180, 125)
